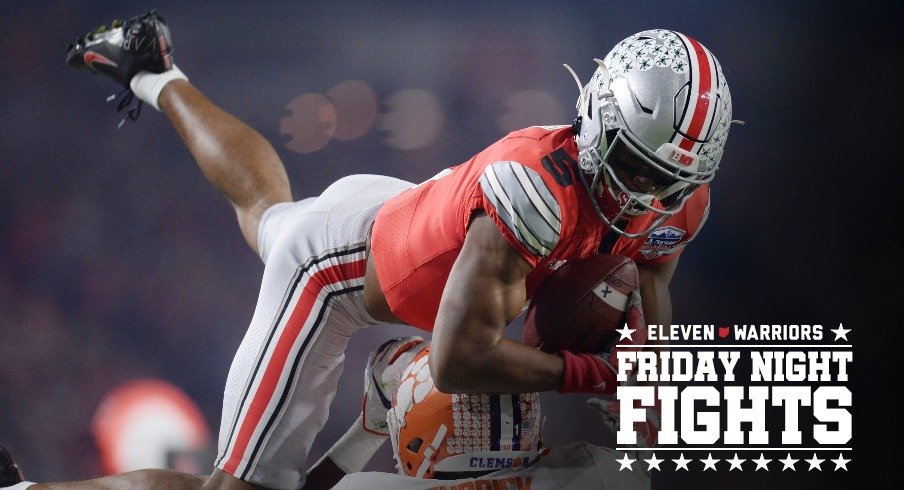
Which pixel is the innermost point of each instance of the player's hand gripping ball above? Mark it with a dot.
(579, 306)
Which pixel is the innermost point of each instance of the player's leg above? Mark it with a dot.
(285, 374)
(234, 157)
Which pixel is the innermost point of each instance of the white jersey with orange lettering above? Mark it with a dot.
(577, 465)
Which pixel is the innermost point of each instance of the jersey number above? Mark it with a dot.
(558, 164)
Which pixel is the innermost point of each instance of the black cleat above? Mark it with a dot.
(140, 43)
(10, 474)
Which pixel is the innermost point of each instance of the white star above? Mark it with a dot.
(625, 463)
(840, 332)
(735, 462)
(789, 463)
(654, 462)
(709, 462)
(841, 462)
(761, 463)
(681, 463)
(626, 332)
(814, 463)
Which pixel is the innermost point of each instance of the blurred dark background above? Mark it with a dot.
(118, 261)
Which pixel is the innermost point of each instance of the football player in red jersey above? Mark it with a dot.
(457, 255)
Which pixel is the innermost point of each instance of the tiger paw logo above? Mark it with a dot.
(416, 385)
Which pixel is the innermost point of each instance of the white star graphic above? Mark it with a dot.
(789, 463)
(626, 332)
(625, 463)
(841, 462)
(761, 463)
(735, 463)
(840, 332)
(654, 462)
(709, 463)
(814, 463)
(681, 462)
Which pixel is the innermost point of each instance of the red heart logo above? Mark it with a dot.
(723, 331)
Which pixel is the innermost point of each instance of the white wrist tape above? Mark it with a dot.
(355, 448)
(147, 86)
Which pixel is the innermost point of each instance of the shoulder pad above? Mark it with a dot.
(524, 204)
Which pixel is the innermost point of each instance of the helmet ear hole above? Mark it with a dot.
(414, 445)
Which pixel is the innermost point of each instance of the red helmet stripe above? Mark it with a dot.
(701, 89)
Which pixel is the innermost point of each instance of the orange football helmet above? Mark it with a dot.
(433, 431)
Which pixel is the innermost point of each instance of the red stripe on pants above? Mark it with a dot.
(287, 339)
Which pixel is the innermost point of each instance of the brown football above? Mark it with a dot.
(579, 306)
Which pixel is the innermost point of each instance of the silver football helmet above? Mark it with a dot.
(658, 106)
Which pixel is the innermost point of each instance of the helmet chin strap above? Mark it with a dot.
(672, 189)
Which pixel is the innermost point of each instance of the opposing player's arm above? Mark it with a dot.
(484, 292)
(654, 289)
(235, 158)
(382, 377)
(149, 479)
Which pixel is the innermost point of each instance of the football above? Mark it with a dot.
(579, 306)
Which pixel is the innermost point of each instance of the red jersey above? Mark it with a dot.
(526, 182)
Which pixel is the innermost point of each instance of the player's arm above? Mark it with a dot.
(149, 479)
(235, 158)
(484, 292)
(654, 289)
(382, 377)
(655, 277)
(355, 448)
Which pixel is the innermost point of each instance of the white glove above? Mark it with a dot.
(382, 377)
(647, 432)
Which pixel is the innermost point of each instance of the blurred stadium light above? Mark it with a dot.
(151, 423)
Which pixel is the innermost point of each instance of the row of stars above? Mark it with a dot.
(626, 333)
(735, 463)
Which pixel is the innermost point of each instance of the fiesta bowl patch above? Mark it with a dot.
(662, 241)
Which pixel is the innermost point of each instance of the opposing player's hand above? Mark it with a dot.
(382, 377)
(610, 411)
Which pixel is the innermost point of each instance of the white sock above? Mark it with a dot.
(147, 86)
